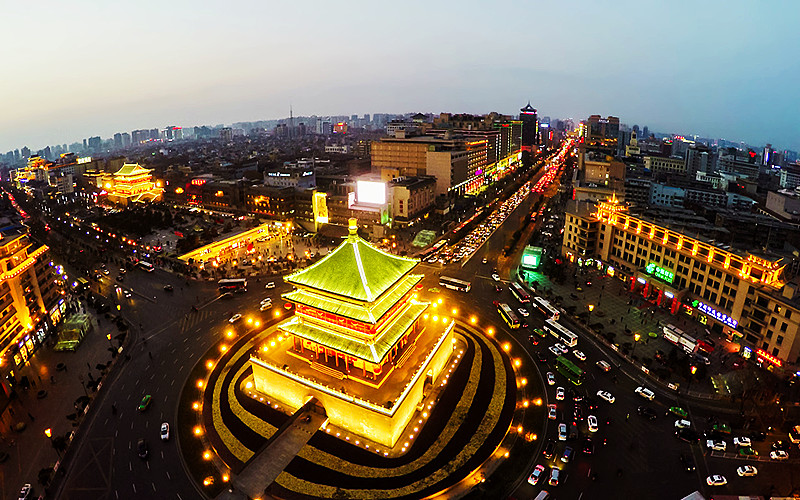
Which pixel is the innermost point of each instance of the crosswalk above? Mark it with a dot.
(190, 320)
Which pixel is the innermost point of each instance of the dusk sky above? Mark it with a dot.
(76, 69)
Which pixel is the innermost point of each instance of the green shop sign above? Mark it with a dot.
(659, 272)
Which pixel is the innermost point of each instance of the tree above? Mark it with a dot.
(44, 475)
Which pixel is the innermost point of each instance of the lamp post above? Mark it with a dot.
(589, 317)
(49, 433)
(636, 338)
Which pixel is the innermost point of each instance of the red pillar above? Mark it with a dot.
(660, 296)
(646, 291)
(675, 306)
(633, 284)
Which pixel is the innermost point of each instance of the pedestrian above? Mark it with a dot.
(31, 416)
(150, 354)
(52, 379)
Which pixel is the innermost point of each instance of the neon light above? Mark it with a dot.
(660, 273)
(769, 357)
(721, 317)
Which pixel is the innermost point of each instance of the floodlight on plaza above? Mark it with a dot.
(209, 364)
(223, 348)
(636, 337)
(439, 301)
(591, 307)
(200, 384)
(506, 347)
(537, 401)
(198, 431)
(229, 333)
(454, 311)
(48, 432)
(257, 324)
(473, 320)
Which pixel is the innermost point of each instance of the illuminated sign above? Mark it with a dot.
(278, 174)
(85, 159)
(371, 192)
(320, 205)
(669, 295)
(769, 357)
(641, 280)
(721, 317)
(659, 272)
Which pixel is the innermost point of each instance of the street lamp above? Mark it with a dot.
(591, 308)
(49, 433)
(636, 338)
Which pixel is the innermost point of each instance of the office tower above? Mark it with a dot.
(530, 127)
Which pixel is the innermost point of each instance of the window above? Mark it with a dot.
(765, 345)
(775, 352)
(773, 321)
(787, 314)
(783, 327)
(769, 334)
(779, 340)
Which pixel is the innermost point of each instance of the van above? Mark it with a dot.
(543, 495)
(573, 432)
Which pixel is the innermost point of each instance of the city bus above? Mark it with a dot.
(520, 293)
(545, 308)
(508, 315)
(558, 331)
(681, 339)
(568, 369)
(81, 285)
(146, 266)
(232, 285)
(455, 284)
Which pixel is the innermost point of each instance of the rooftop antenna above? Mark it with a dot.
(291, 122)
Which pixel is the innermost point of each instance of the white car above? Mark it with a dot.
(682, 424)
(645, 393)
(25, 492)
(484, 261)
(747, 471)
(742, 441)
(778, 455)
(592, 421)
(551, 379)
(603, 365)
(578, 354)
(606, 395)
(716, 480)
(560, 393)
(495, 276)
(536, 475)
(551, 412)
(562, 432)
(270, 285)
(523, 312)
(554, 350)
(265, 306)
(716, 445)
(165, 431)
(236, 317)
(561, 347)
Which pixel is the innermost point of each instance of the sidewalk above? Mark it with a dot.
(619, 315)
(29, 449)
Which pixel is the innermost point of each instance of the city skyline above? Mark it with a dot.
(718, 71)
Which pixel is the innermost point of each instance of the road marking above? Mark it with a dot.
(132, 425)
(147, 462)
(172, 383)
(134, 487)
(116, 433)
(130, 468)
(106, 422)
(116, 493)
(154, 486)
(179, 496)
(168, 476)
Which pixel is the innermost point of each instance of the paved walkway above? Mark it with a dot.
(268, 463)
(29, 449)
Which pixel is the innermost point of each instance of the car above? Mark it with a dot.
(687, 434)
(747, 471)
(682, 424)
(716, 480)
(533, 339)
(498, 288)
(578, 354)
(747, 451)
(712, 444)
(780, 445)
(523, 312)
(541, 357)
(168, 288)
(551, 379)
(551, 412)
(588, 446)
(567, 455)
(554, 350)
(486, 261)
(723, 428)
(742, 441)
(122, 270)
(127, 294)
(536, 474)
(577, 413)
(25, 492)
(106, 272)
(678, 412)
(549, 449)
(236, 317)
(606, 396)
(591, 420)
(688, 463)
(540, 332)
(576, 398)
(554, 475)
(165, 431)
(120, 278)
(141, 449)
(264, 306)
(778, 455)
(145, 402)
(270, 285)
(495, 276)
(646, 412)
(560, 393)
(561, 347)
(562, 432)
(645, 393)
(702, 359)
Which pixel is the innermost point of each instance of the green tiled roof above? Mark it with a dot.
(361, 312)
(336, 339)
(130, 168)
(356, 270)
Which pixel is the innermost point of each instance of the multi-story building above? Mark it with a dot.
(733, 164)
(411, 197)
(30, 301)
(790, 176)
(530, 127)
(665, 165)
(740, 293)
(785, 204)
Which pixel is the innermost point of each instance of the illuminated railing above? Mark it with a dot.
(26, 264)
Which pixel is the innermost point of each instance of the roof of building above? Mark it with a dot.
(354, 270)
(130, 169)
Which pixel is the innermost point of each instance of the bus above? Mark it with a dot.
(558, 331)
(521, 295)
(545, 308)
(232, 285)
(681, 339)
(146, 266)
(794, 434)
(81, 285)
(508, 315)
(570, 370)
(455, 284)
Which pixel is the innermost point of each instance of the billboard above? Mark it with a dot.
(371, 192)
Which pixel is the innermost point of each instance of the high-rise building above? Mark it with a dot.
(117, 141)
(530, 127)
(26, 152)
